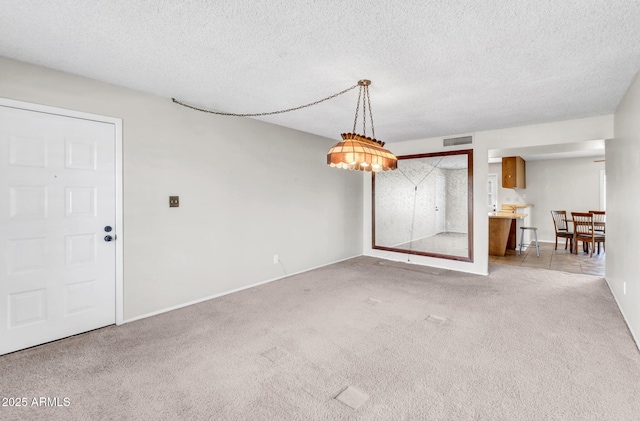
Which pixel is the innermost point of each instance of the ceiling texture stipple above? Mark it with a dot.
(437, 68)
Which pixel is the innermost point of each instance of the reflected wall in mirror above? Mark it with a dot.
(425, 207)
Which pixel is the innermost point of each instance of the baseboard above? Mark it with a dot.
(403, 259)
(221, 294)
(624, 317)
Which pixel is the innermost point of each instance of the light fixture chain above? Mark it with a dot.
(373, 130)
(364, 111)
(355, 119)
(271, 112)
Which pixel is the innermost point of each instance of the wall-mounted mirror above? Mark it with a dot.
(425, 207)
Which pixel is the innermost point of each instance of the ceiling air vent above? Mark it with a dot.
(464, 140)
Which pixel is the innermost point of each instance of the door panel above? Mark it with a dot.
(57, 185)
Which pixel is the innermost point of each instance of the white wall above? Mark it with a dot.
(623, 202)
(457, 203)
(555, 184)
(562, 132)
(248, 190)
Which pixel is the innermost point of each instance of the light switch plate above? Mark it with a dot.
(174, 201)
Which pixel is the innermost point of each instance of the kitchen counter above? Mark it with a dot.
(502, 232)
(507, 215)
(511, 206)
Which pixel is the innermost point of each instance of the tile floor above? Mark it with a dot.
(552, 259)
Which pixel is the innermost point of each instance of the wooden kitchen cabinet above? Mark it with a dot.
(513, 173)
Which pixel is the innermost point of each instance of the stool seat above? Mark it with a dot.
(535, 234)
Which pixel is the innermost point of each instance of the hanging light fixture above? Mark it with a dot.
(359, 152)
(355, 151)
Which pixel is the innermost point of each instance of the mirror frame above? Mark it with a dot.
(469, 257)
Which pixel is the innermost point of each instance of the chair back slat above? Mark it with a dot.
(582, 223)
(599, 221)
(559, 220)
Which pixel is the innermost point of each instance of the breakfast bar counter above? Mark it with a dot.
(502, 232)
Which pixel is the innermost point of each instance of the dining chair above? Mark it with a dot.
(585, 231)
(561, 228)
(599, 223)
(599, 220)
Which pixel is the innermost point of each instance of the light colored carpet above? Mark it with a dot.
(358, 340)
(451, 243)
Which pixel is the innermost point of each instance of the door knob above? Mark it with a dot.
(107, 228)
(108, 238)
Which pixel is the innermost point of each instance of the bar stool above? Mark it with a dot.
(535, 235)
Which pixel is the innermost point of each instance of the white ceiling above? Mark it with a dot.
(585, 149)
(438, 67)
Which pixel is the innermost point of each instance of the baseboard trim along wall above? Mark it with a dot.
(624, 316)
(165, 310)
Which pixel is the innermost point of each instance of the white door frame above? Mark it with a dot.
(117, 122)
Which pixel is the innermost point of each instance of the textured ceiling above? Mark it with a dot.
(438, 67)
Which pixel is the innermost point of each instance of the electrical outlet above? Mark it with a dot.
(276, 259)
(624, 288)
(174, 201)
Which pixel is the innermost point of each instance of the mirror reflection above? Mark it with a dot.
(425, 207)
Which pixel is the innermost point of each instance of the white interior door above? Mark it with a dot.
(57, 184)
